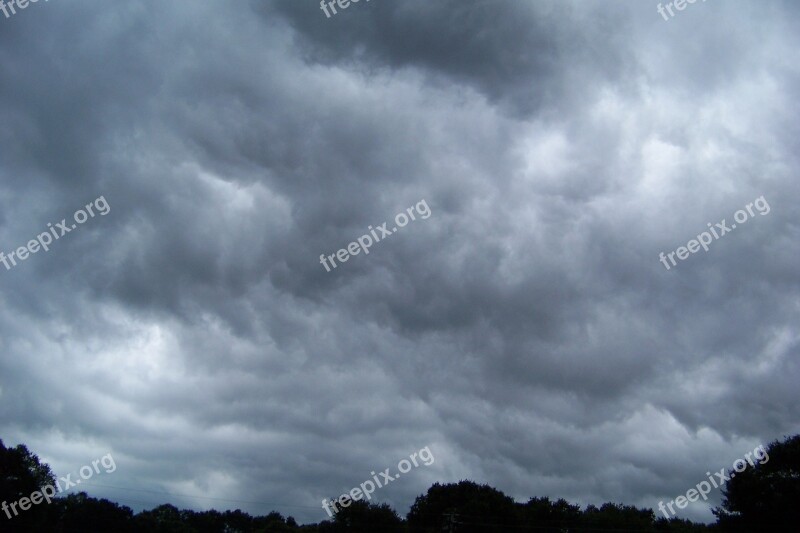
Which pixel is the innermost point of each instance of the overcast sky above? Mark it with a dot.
(526, 331)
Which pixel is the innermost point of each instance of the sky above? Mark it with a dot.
(527, 330)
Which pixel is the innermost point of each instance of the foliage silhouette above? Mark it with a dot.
(765, 494)
(762, 498)
(21, 474)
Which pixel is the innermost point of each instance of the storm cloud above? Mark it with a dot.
(526, 332)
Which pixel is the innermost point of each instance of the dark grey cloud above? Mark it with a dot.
(526, 331)
(527, 56)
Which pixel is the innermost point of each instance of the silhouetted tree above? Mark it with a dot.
(680, 525)
(206, 521)
(542, 515)
(364, 517)
(275, 523)
(619, 517)
(765, 497)
(79, 512)
(164, 519)
(469, 506)
(21, 474)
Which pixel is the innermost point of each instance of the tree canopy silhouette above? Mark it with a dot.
(763, 497)
(21, 473)
(364, 517)
(766, 494)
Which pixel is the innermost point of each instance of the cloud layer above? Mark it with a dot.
(526, 331)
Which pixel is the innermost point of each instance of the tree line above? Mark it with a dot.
(762, 498)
